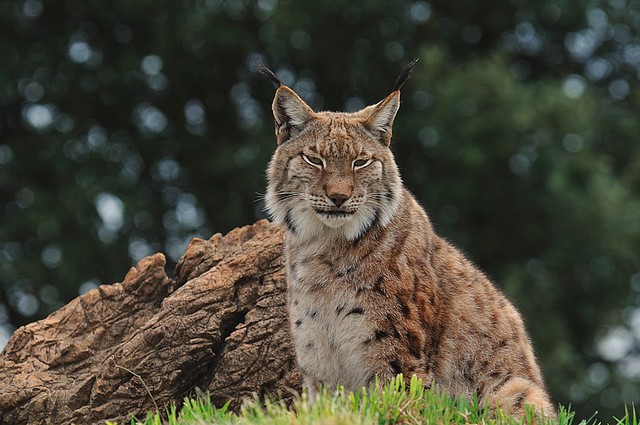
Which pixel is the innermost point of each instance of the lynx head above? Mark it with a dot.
(333, 174)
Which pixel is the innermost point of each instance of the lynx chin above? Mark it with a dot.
(373, 291)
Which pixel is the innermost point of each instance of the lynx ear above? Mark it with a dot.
(379, 117)
(380, 121)
(290, 113)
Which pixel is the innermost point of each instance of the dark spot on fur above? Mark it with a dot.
(378, 285)
(393, 268)
(404, 307)
(389, 194)
(296, 302)
(415, 347)
(310, 345)
(400, 243)
(288, 221)
(379, 290)
(506, 378)
(494, 319)
(339, 309)
(395, 367)
(520, 400)
(368, 340)
(349, 270)
(434, 347)
(365, 232)
(332, 345)
(466, 372)
(367, 254)
(371, 380)
(477, 302)
(355, 310)
(381, 334)
(416, 284)
(298, 322)
(376, 219)
(480, 389)
(392, 325)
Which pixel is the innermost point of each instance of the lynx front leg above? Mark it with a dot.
(407, 371)
(312, 386)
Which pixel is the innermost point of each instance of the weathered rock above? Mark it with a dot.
(123, 349)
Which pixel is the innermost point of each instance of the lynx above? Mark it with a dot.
(373, 291)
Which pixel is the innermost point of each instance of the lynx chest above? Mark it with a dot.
(331, 328)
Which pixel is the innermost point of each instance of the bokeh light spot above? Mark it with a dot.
(300, 39)
(6, 154)
(572, 142)
(111, 211)
(471, 34)
(32, 9)
(393, 51)
(79, 51)
(573, 86)
(151, 64)
(122, 33)
(619, 89)
(38, 116)
(87, 286)
(51, 256)
(615, 345)
(27, 305)
(149, 119)
(419, 12)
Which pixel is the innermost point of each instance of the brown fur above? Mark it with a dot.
(373, 291)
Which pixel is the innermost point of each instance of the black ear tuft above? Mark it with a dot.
(404, 75)
(262, 69)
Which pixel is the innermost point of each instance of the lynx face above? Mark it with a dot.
(332, 174)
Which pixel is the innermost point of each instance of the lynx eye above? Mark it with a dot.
(361, 163)
(313, 160)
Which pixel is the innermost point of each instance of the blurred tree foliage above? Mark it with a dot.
(127, 128)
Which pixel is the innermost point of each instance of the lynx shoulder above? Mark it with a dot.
(372, 290)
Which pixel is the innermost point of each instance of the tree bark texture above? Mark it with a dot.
(127, 348)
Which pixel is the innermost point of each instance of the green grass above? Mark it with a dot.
(388, 404)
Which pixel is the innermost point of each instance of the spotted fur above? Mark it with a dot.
(373, 290)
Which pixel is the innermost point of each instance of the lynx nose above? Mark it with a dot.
(338, 199)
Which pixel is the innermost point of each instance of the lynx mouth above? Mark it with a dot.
(334, 213)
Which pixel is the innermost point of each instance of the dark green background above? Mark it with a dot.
(128, 127)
